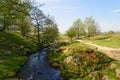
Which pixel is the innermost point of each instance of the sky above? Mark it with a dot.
(105, 12)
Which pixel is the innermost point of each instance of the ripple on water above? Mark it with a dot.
(37, 68)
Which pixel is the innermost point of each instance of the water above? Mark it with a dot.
(37, 68)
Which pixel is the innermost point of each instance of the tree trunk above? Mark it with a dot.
(71, 39)
(38, 36)
(4, 27)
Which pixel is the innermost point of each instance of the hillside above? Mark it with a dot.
(81, 62)
(13, 51)
(109, 40)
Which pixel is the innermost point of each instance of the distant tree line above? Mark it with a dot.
(86, 28)
(26, 17)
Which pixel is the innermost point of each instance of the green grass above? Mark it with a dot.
(111, 40)
(11, 57)
(9, 66)
(76, 46)
(12, 41)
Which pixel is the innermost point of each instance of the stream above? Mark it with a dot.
(38, 68)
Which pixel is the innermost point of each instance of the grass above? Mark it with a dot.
(77, 46)
(10, 40)
(109, 40)
(13, 48)
(11, 65)
(88, 61)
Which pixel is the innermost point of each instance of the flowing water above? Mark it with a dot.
(37, 68)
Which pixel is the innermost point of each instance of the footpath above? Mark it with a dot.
(111, 52)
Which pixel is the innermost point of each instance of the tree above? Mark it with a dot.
(5, 14)
(50, 34)
(71, 32)
(91, 27)
(82, 29)
(38, 20)
(50, 31)
(22, 20)
(77, 24)
(10, 10)
(24, 26)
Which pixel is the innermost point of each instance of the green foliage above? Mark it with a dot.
(47, 31)
(50, 34)
(11, 11)
(71, 33)
(77, 24)
(24, 25)
(91, 26)
(83, 28)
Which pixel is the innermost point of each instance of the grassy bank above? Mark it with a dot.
(81, 62)
(13, 51)
(109, 40)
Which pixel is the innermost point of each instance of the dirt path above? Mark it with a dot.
(111, 52)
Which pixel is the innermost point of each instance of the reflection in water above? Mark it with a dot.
(37, 68)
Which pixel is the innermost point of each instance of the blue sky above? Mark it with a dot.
(65, 12)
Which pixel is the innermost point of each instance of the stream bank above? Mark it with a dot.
(38, 68)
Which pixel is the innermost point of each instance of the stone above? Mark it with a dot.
(105, 77)
(8, 53)
(66, 50)
(113, 66)
(68, 59)
(21, 46)
(117, 73)
(93, 74)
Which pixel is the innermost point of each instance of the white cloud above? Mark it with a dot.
(116, 11)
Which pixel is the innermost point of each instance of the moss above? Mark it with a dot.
(111, 74)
